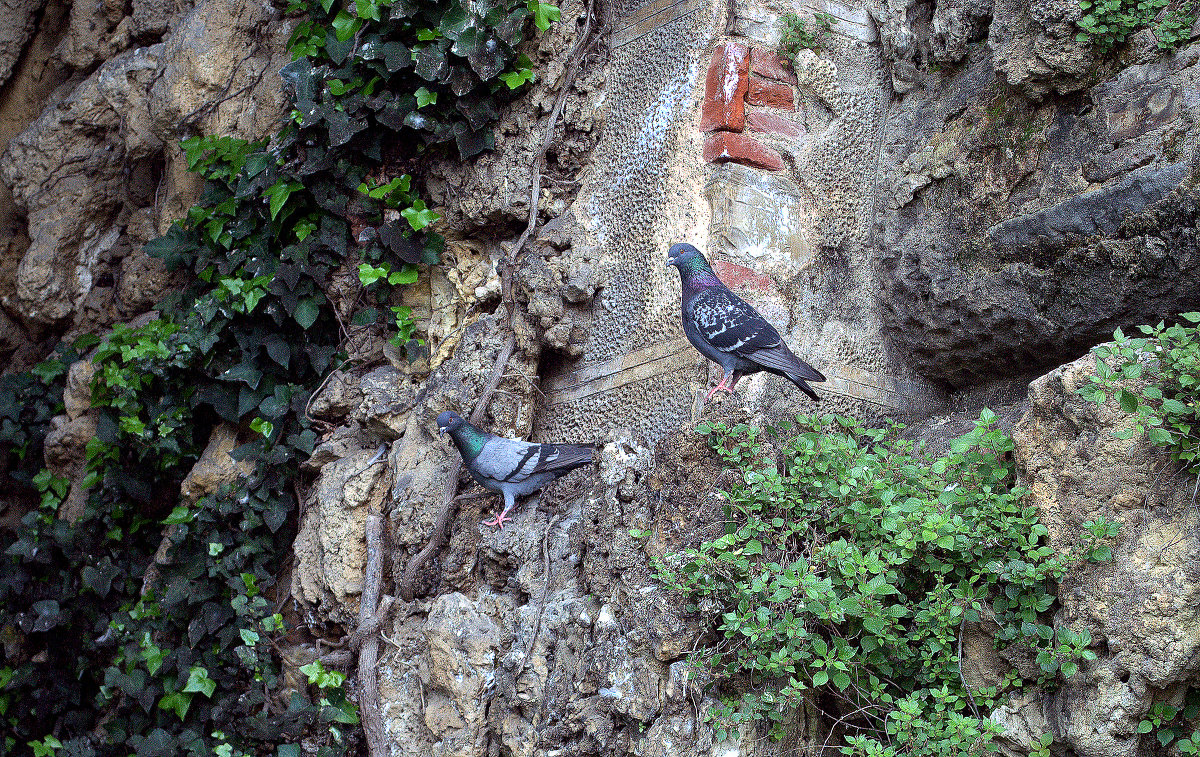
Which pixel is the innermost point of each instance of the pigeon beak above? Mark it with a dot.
(441, 431)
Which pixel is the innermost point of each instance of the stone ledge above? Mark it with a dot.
(723, 146)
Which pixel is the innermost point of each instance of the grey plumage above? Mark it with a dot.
(730, 332)
(510, 467)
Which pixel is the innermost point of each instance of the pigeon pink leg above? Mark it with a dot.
(498, 521)
(721, 385)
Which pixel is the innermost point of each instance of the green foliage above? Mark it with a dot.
(437, 68)
(27, 403)
(110, 649)
(798, 36)
(1109, 23)
(1169, 724)
(1165, 364)
(847, 570)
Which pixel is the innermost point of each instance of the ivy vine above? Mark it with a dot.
(150, 625)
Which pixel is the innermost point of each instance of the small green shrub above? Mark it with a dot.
(1109, 23)
(1167, 406)
(847, 571)
(797, 35)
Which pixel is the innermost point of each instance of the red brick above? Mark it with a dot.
(724, 146)
(741, 278)
(757, 120)
(771, 65)
(725, 89)
(773, 94)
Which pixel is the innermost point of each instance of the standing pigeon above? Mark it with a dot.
(728, 331)
(508, 466)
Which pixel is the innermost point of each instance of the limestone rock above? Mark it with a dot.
(20, 19)
(330, 548)
(339, 394)
(464, 646)
(955, 25)
(215, 468)
(387, 396)
(65, 451)
(77, 394)
(69, 212)
(1020, 234)
(221, 46)
(96, 32)
(1142, 608)
(1034, 46)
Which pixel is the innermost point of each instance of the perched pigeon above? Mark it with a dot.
(508, 466)
(728, 331)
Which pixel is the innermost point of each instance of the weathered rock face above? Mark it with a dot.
(585, 659)
(1019, 234)
(1142, 608)
(96, 174)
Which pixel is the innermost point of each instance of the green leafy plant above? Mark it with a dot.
(1109, 23)
(798, 35)
(1156, 378)
(1169, 724)
(847, 569)
(145, 626)
(1099, 532)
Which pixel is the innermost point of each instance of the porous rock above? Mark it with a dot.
(1020, 234)
(216, 467)
(330, 548)
(1142, 608)
(20, 21)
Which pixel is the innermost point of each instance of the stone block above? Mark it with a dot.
(725, 89)
(771, 65)
(723, 147)
(741, 278)
(771, 123)
(772, 94)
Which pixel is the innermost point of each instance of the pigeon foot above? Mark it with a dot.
(498, 521)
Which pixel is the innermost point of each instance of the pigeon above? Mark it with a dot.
(728, 331)
(509, 466)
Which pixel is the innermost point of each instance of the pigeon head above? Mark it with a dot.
(682, 256)
(691, 264)
(449, 421)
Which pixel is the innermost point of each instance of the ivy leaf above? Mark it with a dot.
(514, 79)
(245, 373)
(418, 216)
(1128, 400)
(425, 97)
(345, 25)
(306, 312)
(396, 56)
(278, 194)
(152, 655)
(176, 702)
(543, 13)
(342, 127)
(431, 62)
(368, 9)
(198, 682)
(406, 275)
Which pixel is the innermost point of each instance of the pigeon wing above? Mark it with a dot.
(780, 358)
(513, 461)
(730, 325)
